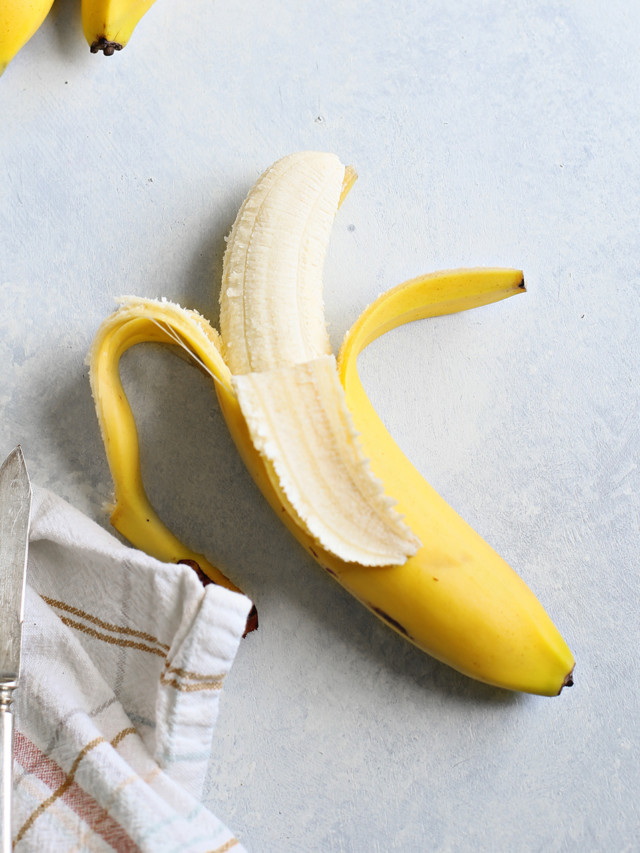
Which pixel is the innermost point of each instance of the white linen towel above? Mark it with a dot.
(123, 662)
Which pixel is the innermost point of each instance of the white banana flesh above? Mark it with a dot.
(271, 308)
(276, 344)
(299, 422)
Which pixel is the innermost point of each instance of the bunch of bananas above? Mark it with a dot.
(107, 24)
(315, 446)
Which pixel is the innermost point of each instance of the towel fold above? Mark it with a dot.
(124, 659)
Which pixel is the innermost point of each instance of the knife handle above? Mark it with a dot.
(6, 765)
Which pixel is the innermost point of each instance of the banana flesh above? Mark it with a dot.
(280, 236)
(447, 591)
(274, 335)
(19, 21)
(299, 422)
(109, 24)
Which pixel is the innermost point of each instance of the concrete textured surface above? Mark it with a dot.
(484, 134)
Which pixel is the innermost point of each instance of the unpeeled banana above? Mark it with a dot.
(19, 20)
(109, 24)
(313, 443)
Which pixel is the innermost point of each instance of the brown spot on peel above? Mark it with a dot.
(391, 621)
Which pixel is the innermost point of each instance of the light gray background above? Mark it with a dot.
(484, 133)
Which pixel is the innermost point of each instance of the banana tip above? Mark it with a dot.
(205, 580)
(106, 46)
(252, 621)
(568, 682)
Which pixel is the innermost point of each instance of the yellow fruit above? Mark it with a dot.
(109, 24)
(19, 20)
(315, 446)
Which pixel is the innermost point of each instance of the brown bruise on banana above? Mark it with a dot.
(393, 623)
(379, 612)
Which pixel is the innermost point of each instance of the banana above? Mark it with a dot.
(109, 24)
(19, 20)
(316, 448)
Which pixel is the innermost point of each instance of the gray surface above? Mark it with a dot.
(498, 133)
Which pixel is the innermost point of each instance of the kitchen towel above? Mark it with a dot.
(124, 658)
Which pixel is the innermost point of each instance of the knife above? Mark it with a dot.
(15, 512)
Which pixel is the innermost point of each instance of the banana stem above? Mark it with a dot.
(106, 46)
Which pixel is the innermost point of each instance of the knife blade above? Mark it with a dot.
(15, 513)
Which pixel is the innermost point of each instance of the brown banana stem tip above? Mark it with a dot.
(106, 46)
(252, 618)
(568, 682)
(252, 621)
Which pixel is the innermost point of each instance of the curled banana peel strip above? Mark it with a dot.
(316, 448)
(146, 321)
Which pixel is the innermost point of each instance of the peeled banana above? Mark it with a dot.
(19, 20)
(313, 443)
(109, 24)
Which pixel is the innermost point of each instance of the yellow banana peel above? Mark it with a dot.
(19, 21)
(344, 489)
(109, 24)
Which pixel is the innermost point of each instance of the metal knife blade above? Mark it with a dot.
(15, 512)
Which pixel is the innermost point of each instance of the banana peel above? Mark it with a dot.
(449, 593)
(19, 21)
(109, 24)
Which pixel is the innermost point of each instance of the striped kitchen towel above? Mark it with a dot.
(124, 658)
